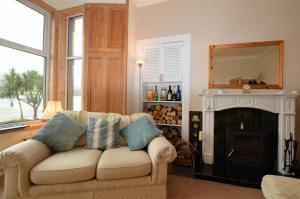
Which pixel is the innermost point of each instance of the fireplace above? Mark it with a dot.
(245, 143)
(279, 105)
(244, 134)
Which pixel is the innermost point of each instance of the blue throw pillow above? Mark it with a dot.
(60, 133)
(139, 133)
(103, 133)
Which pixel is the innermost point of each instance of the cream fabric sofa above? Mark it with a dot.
(280, 187)
(32, 170)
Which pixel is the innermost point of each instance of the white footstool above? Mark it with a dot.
(280, 187)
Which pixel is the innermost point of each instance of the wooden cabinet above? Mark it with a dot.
(164, 62)
(105, 55)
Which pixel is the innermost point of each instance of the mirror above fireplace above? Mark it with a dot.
(256, 63)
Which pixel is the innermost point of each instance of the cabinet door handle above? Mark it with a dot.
(161, 77)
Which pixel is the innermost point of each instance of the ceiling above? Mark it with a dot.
(142, 3)
(63, 4)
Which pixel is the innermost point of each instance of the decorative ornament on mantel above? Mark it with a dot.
(246, 88)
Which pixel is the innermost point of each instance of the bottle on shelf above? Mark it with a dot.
(178, 93)
(169, 96)
(150, 94)
(155, 94)
(174, 94)
(163, 94)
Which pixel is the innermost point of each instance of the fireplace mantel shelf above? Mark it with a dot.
(280, 102)
(221, 92)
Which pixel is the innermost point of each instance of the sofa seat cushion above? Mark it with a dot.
(76, 165)
(121, 163)
(280, 187)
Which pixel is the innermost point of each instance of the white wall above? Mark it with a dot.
(64, 4)
(219, 22)
(132, 68)
(225, 21)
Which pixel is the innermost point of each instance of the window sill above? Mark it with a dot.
(21, 126)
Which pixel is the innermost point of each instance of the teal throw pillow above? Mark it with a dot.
(139, 133)
(103, 133)
(60, 133)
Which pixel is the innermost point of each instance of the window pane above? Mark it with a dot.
(21, 24)
(75, 36)
(74, 84)
(21, 85)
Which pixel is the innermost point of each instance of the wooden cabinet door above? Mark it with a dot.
(173, 61)
(152, 69)
(105, 43)
(164, 62)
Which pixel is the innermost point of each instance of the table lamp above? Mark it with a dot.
(51, 108)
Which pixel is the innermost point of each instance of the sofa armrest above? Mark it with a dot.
(161, 150)
(23, 156)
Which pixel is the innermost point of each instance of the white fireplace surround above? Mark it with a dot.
(276, 102)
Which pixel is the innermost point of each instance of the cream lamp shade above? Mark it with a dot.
(140, 62)
(51, 108)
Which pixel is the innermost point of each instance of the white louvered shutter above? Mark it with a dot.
(173, 61)
(152, 67)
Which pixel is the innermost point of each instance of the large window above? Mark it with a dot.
(74, 62)
(24, 38)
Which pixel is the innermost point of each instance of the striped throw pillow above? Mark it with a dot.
(103, 133)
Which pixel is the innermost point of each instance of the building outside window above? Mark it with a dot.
(24, 55)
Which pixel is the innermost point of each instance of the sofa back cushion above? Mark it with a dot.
(84, 116)
(125, 121)
(72, 114)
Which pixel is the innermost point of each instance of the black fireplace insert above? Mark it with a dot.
(245, 143)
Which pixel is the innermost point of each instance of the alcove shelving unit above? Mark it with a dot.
(166, 114)
(167, 63)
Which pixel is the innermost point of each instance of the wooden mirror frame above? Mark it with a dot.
(278, 43)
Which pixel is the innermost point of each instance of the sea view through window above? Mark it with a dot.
(23, 60)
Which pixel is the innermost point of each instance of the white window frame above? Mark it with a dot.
(45, 52)
(70, 58)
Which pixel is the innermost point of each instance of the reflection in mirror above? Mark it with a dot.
(257, 64)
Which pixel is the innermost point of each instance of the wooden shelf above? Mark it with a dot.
(169, 82)
(176, 102)
(177, 125)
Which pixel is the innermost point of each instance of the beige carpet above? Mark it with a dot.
(1, 186)
(188, 188)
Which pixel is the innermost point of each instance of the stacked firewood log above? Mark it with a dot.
(172, 134)
(184, 153)
(165, 114)
(172, 115)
